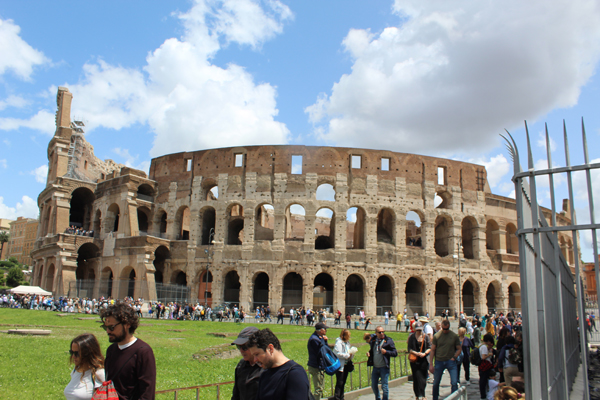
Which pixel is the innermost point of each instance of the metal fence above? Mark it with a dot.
(358, 379)
(116, 288)
(552, 350)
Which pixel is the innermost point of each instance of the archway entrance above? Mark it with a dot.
(260, 296)
(80, 213)
(85, 274)
(354, 294)
(292, 291)
(514, 297)
(442, 296)
(106, 282)
(414, 296)
(384, 295)
(323, 292)
(491, 298)
(232, 288)
(468, 298)
(205, 288)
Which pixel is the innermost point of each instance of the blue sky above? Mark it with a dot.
(441, 78)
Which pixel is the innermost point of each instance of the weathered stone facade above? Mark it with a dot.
(237, 211)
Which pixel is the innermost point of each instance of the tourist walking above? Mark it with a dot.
(88, 370)
(316, 340)
(342, 351)
(247, 372)
(464, 359)
(382, 348)
(419, 347)
(486, 351)
(445, 349)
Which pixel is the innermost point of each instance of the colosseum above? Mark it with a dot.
(290, 225)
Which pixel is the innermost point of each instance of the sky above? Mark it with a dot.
(442, 78)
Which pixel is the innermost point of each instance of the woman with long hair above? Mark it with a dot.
(88, 373)
(467, 345)
(419, 346)
(342, 350)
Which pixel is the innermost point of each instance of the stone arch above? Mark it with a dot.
(323, 289)
(160, 221)
(512, 241)
(443, 232)
(386, 226)
(144, 220)
(414, 221)
(444, 292)
(106, 282)
(468, 298)
(112, 218)
(49, 284)
(260, 292)
(292, 290)
(443, 200)
(295, 220)
(235, 224)
(182, 223)
(209, 219)
(210, 189)
(85, 273)
(178, 277)
(205, 279)
(492, 236)
(80, 213)
(325, 192)
(161, 255)
(514, 297)
(264, 223)
(469, 231)
(325, 229)
(492, 296)
(384, 294)
(231, 287)
(356, 228)
(355, 288)
(145, 192)
(127, 284)
(415, 293)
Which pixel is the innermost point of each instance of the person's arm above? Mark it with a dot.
(431, 366)
(297, 387)
(338, 349)
(147, 374)
(235, 395)
(390, 351)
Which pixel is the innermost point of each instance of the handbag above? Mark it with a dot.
(412, 357)
(349, 366)
(106, 392)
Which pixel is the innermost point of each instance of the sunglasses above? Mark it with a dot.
(109, 327)
(74, 353)
(380, 331)
(242, 347)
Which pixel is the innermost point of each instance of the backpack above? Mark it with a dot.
(329, 361)
(515, 356)
(475, 356)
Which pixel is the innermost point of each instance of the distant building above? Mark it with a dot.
(23, 233)
(589, 281)
(5, 227)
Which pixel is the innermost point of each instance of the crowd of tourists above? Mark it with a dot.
(74, 230)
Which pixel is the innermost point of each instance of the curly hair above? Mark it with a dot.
(506, 393)
(263, 338)
(89, 352)
(123, 313)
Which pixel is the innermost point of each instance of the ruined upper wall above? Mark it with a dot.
(323, 161)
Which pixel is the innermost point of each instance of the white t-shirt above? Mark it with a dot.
(483, 351)
(427, 329)
(493, 386)
(83, 389)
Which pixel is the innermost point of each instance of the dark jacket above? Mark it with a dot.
(314, 354)
(388, 345)
(246, 381)
(132, 370)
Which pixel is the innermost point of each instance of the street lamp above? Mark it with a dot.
(209, 254)
(459, 247)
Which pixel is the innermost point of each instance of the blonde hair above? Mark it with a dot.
(462, 331)
(507, 393)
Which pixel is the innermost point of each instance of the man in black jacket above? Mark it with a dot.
(314, 358)
(246, 372)
(382, 349)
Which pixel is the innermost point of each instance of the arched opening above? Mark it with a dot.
(143, 215)
(145, 192)
(442, 296)
(112, 218)
(162, 230)
(80, 214)
(355, 228)
(232, 288)
(512, 242)
(235, 227)
(469, 238)
(570, 252)
(106, 282)
(295, 223)
(179, 278)
(442, 235)
(211, 189)
(324, 229)
(127, 284)
(261, 290)
(161, 255)
(443, 200)
(97, 223)
(354, 294)
(514, 297)
(209, 217)
(182, 222)
(84, 274)
(264, 224)
(325, 192)
(492, 237)
(468, 298)
(49, 284)
(292, 291)
(490, 296)
(413, 229)
(414, 296)
(384, 294)
(386, 223)
(323, 291)
(205, 287)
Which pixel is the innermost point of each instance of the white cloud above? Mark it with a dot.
(40, 173)
(27, 208)
(4, 163)
(541, 142)
(188, 102)
(42, 121)
(13, 101)
(131, 161)
(497, 167)
(455, 73)
(17, 55)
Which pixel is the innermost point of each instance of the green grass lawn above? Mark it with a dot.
(37, 367)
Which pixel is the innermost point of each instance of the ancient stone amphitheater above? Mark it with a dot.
(331, 227)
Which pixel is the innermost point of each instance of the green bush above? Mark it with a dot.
(15, 276)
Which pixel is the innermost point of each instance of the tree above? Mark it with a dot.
(4, 236)
(15, 276)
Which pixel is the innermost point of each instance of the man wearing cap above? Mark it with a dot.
(314, 358)
(246, 372)
(382, 348)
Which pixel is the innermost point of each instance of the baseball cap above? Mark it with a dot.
(320, 326)
(245, 335)
(418, 326)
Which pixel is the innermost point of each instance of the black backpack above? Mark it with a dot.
(475, 356)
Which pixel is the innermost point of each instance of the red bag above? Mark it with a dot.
(106, 392)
